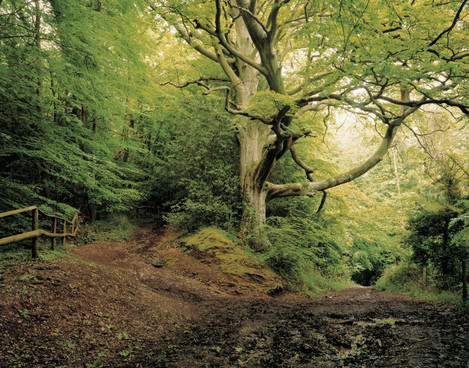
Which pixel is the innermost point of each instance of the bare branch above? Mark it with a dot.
(460, 56)
(453, 24)
(311, 80)
(221, 37)
(253, 16)
(229, 102)
(458, 164)
(417, 136)
(323, 201)
(426, 101)
(183, 32)
(308, 169)
(273, 16)
(197, 82)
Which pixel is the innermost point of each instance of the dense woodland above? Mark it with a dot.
(330, 137)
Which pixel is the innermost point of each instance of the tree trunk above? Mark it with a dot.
(254, 215)
(252, 137)
(37, 37)
(464, 280)
(424, 278)
(396, 172)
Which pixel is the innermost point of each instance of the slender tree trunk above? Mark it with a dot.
(55, 96)
(127, 123)
(396, 172)
(424, 278)
(464, 280)
(37, 27)
(84, 119)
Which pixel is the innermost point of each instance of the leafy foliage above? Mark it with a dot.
(90, 119)
(193, 168)
(66, 101)
(431, 240)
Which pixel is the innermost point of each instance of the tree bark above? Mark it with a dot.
(37, 39)
(464, 280)
(396, 172)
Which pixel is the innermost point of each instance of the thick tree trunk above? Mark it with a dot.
(252, 137)
(254, 215)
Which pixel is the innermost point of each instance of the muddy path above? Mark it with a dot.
(357, 327)
(125, 305)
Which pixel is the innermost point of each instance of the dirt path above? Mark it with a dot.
(358, 327)
(126, 305)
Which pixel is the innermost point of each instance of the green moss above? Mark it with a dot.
(227, 255)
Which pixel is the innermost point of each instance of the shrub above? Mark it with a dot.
(400, 277)
(114, 228)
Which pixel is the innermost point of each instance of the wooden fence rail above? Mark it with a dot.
(36, 232)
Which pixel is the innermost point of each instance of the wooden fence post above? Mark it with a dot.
(35, 242)
(54, 230)
(65, 232)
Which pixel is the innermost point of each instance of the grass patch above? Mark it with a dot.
(405, 279)
(315, 281)
(17, 253)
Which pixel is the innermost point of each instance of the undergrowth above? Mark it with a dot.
(16, 253)
(309, 264)
(114, 228)
(406, 278)
(297, 268)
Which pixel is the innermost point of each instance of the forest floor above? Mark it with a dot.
(145, 303)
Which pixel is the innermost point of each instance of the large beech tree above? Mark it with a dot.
(284, 59)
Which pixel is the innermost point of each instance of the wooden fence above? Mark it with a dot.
(36, 232)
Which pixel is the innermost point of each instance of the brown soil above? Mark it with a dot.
(144, 303)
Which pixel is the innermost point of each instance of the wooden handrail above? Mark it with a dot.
(14, 212)
(32, 234)
(57, 217)
(36, 232)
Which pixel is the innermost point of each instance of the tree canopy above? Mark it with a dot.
(287, 61)
(245, 114)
